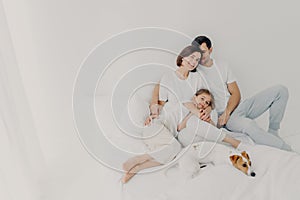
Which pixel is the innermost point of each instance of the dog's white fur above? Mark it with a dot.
(204, 153)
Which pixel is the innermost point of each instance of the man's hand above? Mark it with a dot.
(223, 119)
(204, 114)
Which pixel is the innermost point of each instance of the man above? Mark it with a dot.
(236, 116)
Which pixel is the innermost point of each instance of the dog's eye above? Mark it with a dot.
(244, 165)
(249, 163)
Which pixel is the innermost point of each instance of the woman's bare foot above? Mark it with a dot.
(134, 170)
(127, 177)
(132, 162)
(129, 174)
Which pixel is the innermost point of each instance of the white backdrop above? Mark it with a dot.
(260, 40)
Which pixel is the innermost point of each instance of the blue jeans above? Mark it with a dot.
(241, 120)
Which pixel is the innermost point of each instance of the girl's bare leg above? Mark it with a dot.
(138, 167)
(235, 143)
(132, 162)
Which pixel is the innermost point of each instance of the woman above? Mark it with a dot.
(176, 84)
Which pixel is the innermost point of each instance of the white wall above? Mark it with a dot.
(259, 38)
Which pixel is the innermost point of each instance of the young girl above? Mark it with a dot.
(201, 100)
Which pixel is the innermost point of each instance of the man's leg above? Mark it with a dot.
(250, 127)
(274, 98)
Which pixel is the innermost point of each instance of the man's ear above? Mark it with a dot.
(234, 158)
(210, 50)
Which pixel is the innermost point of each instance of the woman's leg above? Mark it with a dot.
(139, 167)
(131, 162)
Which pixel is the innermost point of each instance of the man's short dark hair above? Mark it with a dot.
(202, 39)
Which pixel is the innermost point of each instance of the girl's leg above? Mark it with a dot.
(131, 162)
(138, 167)
(235, 143)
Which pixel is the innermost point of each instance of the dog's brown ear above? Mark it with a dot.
(234, 158)
(245, 155)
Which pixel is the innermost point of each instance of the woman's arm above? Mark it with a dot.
(182, 124)
(192, 108)
(155, 106)
(199, 113)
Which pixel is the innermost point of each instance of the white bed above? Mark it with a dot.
(277, 177)
(277, 173)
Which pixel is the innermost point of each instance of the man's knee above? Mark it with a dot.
(283, 91)
(240, 124)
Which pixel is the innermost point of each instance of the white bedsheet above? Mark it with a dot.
(277, 173)
(277, 177)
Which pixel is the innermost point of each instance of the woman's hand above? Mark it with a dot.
(149, 119)
(155, 109)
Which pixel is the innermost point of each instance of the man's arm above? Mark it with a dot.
(233, 102)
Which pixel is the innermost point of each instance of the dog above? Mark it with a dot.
(198, 155)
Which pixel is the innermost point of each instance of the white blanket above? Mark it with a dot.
(277, 177)
(277, 173)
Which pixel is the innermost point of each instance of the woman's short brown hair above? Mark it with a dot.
(206, 91)
(186, 52)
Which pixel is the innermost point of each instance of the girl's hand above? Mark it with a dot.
(204, 114)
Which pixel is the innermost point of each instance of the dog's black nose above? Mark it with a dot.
(252, 174)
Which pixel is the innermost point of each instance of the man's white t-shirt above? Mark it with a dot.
(216, 78)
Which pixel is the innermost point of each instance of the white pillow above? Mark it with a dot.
(138, 110)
